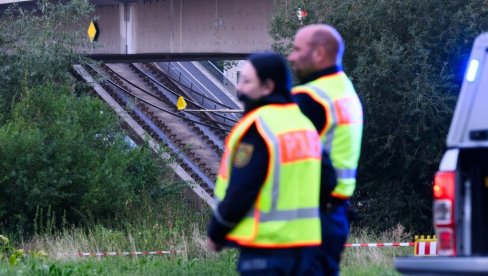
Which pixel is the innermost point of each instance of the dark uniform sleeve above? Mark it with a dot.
(328, 179)
(316, 113)
(247, 176)
(313, 110)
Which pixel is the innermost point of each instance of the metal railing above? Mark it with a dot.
(219, 76)
(195, 90)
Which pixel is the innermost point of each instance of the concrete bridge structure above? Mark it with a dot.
(146, 46)
(178, 29)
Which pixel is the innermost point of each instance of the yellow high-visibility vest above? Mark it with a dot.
(341, 135)
(286, 212)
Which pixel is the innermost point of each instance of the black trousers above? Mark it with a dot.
(335, 230)
(296, 261)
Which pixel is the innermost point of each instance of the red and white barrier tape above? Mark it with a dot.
(386, 244)
(165, 252)
(132, 253)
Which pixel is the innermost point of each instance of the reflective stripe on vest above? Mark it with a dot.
(341, 135)
(273, 222)
(274, 213)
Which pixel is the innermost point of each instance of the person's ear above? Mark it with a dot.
(268, 87)
(319, 53)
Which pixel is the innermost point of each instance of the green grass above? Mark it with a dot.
(193, 259)
(223, 264)
(176, 224)
(157, 265)
(374, 260)
(369, 270)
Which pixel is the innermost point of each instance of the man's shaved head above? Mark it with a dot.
(327, 36)
(316, 47)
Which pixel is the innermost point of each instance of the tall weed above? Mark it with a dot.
(375, 256)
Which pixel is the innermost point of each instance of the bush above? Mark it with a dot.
(36, 48)
(67, 154)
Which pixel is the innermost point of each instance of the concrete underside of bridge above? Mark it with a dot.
(180, 29)
(151, 30)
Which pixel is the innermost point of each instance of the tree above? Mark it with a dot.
(62, 151)
(406, 59)
(67, 154)
(36, 48)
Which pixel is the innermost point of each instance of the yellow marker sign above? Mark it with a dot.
(92, 31)
(181, 104)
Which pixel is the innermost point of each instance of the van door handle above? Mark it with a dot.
(478, 135)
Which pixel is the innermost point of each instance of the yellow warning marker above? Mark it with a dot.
(181, 104)
(92, 31)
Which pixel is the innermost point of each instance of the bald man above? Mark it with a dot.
(327, 97)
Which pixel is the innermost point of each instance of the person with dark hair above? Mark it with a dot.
(327, 97)
(268, 185)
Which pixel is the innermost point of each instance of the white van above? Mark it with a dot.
(460, 209)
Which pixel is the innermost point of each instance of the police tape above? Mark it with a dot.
(166, 252)
(385, 244)
(126, 253)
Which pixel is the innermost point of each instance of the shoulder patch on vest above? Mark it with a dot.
(243, 155)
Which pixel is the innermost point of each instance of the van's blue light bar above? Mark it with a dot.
(472, 70)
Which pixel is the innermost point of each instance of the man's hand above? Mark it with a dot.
(213, 245)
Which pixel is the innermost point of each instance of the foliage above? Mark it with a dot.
(380, 257)
(63, 157)
(8, 252)
(68, 153)
(194, 260)
(125, 266)
(168, 223)
(406, 60)
(37, 46)
(220, 265)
